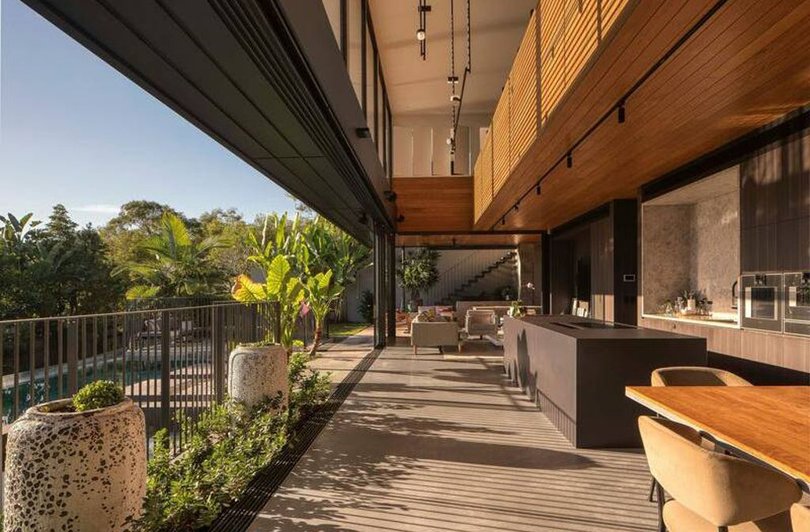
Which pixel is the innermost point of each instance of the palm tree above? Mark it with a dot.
(173, 265)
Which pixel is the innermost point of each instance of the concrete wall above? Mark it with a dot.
(455, 267)
(691, 247)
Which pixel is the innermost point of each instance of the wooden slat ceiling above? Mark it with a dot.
(434, 204)
(466, 240)
(748, 65)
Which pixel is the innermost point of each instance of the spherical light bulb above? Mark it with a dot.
(420, 34)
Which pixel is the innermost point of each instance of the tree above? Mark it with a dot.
(230, 226)
(321, 293)
(136, 221)
(54, 270)
(419, 272)
(173, 264)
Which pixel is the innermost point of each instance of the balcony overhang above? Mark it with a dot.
(720, 70)
(240, 72)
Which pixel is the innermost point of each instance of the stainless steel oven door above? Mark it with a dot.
(797, 303)
(762, 301)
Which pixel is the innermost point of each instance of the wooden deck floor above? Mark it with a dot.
(441, 442)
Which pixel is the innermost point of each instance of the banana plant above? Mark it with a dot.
(321, 293)
(280, 285)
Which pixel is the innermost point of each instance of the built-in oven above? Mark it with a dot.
(761, 306)
(797, 302)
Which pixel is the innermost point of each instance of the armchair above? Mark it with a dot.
(481, 322)
(434, 334)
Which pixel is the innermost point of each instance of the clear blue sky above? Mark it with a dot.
(75, 131)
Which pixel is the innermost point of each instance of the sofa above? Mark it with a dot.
(437, 333)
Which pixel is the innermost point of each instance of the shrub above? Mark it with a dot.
(366, 306)
(98, 394)
(226, 447)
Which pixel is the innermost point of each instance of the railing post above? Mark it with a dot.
(218, 341)
(165, 369)
(72, 356)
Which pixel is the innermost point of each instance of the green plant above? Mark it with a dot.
(516, 309)
(172, 263)
(225, 448)
(97, 394)
(321, 293)
(366, 306)
(281, 286)
(418, 271)
(507, 292)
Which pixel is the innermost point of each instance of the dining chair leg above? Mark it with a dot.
(659, 493)
(651, 496)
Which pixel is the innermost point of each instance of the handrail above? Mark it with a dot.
(172, 362)
(119, 313)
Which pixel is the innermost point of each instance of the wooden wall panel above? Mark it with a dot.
(525, 102)
(499, 133)
(434, 204)
(756, 53)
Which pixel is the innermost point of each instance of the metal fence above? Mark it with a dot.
(170, 361)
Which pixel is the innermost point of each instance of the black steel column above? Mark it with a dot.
(379, 287)
(391, 255)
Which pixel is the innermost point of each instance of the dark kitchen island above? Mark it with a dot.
(576, 369)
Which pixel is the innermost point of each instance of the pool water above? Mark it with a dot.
(135, 371)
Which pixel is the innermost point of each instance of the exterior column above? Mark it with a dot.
(391, 264)
(379, 288)
(529, 273)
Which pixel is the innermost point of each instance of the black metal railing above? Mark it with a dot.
(171, 361)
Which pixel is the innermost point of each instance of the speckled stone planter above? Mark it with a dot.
(75, 471)
(258, 372)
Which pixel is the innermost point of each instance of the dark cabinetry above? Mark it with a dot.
(775, 207)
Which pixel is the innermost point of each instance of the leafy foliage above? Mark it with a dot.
(55, 269)
(281, 286)
(366, 306)
(226, 448)
(173, 264)
(97, 394)
(418, 271)
(321, 293)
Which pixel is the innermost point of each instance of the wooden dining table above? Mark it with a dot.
(770, 424)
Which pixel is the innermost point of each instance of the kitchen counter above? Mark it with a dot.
(577, 368)
(709, 322)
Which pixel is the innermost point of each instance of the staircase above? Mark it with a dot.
(505, 268)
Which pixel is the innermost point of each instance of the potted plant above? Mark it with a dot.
(418, 272)
(77, 464)
(256, 372)
(259, 370)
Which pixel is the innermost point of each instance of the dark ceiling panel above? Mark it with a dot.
(233, 68)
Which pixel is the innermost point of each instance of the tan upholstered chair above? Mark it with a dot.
(434, 334)
(712, 491)
(695, 376)
(692, 376)
(481, 322)
(800, 518)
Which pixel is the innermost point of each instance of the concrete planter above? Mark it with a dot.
(255, 373)
(77, 471)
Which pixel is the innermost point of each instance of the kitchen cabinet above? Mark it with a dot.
(784, 351)
(775, 208)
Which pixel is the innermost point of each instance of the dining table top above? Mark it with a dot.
(769, 423)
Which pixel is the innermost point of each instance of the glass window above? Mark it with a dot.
(354, 56)
(381, 123)
(371, 84)
(332, 8)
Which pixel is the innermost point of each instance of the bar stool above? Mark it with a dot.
(712, 491)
